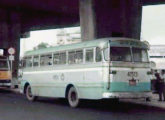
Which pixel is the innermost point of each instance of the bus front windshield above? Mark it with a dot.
(127, 54)
(140, 55)
(3, 64)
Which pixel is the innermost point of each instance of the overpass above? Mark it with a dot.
(97, 18)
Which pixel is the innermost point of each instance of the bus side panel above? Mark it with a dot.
(53, 83)
(87, 78)
(45, 83)
(92, 86)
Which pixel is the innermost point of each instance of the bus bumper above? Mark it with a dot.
(5, 83)
(126, 95)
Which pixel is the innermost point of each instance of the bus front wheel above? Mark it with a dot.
(72, 97)
(29, 95)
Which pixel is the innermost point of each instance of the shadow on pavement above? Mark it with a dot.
(103, 105)
(96, 105)
(5, 90)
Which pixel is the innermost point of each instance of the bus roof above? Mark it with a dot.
(86, 44)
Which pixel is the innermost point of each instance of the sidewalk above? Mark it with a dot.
(153, 103)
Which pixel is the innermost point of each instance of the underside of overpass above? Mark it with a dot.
(97, 18)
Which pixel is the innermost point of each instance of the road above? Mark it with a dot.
(16, 107)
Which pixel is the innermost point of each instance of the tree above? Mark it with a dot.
(41, 45)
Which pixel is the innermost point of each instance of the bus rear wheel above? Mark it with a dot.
(29, 95)
(72, 97)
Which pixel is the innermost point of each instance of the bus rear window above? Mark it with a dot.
(140, 55)
(120, 54)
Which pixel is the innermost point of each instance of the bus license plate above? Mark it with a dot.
(132, 82)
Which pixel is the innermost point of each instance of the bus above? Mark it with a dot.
(5, 72)
(108, 68)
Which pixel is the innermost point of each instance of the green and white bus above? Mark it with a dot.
(103, 68)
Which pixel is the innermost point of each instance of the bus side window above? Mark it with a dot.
(56, 59)
(46, 60)
(98, 54)
(3, 63)
(89, 55)
(79, 56)
(36, 61)
(71, 57)
(62, 58)
(28, 62)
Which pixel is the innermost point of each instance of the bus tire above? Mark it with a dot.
(72, 97)
(29, 95)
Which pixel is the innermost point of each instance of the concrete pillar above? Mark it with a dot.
(132, 16)
(10, 29)
(14, 38)
(110, 18)
(3, 29)
(87, 19)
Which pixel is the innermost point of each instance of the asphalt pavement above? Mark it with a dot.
(14, 106)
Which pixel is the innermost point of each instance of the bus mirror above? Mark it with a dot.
(152, 64)
(147, 43)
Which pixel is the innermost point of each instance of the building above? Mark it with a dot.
(68, 37)
(157, 55)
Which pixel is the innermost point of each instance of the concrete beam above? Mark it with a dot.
(153, 2)
(42, 21)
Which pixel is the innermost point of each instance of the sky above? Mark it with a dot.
(153, 24)
(46, 36)
(153, 30)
